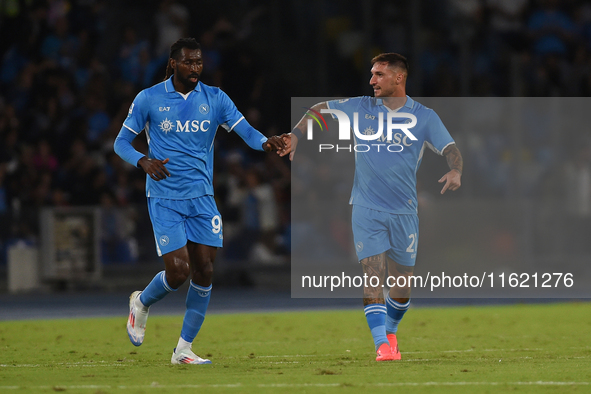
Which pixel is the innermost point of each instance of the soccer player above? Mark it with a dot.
(181, 116)
(384, 196)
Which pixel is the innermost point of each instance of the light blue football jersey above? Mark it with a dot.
(386, 180)
(182, 129)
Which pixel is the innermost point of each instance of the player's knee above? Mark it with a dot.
(207, 270)
(203, 273)
(177, 279)
(177, 273)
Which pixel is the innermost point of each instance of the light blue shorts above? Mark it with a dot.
(176, 221)
(375, 232)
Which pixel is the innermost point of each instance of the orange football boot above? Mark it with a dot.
(384, 353)
(394, 346)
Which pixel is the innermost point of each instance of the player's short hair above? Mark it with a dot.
(189, 43)
(394, 60)
(175, 50)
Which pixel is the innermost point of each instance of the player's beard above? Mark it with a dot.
(188, 83)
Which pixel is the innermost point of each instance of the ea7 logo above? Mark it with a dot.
(163, 109)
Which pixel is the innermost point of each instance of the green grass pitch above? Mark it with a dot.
(519, 348)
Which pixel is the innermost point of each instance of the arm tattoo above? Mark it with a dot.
(374, 266)
(454, 158)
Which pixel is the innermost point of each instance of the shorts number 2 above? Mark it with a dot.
(413, 238)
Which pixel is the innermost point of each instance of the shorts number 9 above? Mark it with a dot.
(216, 224)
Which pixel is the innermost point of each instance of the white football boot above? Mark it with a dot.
(136, 322)
(186, 356)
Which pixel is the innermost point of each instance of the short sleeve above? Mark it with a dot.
(228, 114)
(138, 114)
(346, 105)
(437, 135)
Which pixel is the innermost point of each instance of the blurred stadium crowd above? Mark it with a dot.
(65, 94)
(70, 70)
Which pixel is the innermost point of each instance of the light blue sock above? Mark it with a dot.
(376, 320)
(197, 301)
(396, 311)
(156, 290)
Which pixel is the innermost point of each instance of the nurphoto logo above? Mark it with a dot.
(395, 141)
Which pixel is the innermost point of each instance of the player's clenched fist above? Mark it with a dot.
(154, 168)
(274, 143)
(291, 142)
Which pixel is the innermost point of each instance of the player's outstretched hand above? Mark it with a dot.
(275, 143)
(154, 168)
(452, 181)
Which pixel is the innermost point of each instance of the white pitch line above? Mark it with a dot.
(76, 364)
(103, 363)
(155, 385)
(536, 383)
(417, 352)
(475, 350)
(292, 355)
(423, 359)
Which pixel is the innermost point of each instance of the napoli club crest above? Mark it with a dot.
(359, 246)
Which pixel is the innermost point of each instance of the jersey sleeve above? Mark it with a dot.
(250, 135)
(228, 116)
(124, 148)
(231, 119)
(437, 136)
(346, 105)
(138, 114)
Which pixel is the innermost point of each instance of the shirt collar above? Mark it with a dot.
(409, 102)
(169, 87)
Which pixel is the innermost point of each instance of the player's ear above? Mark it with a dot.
(172, 62)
